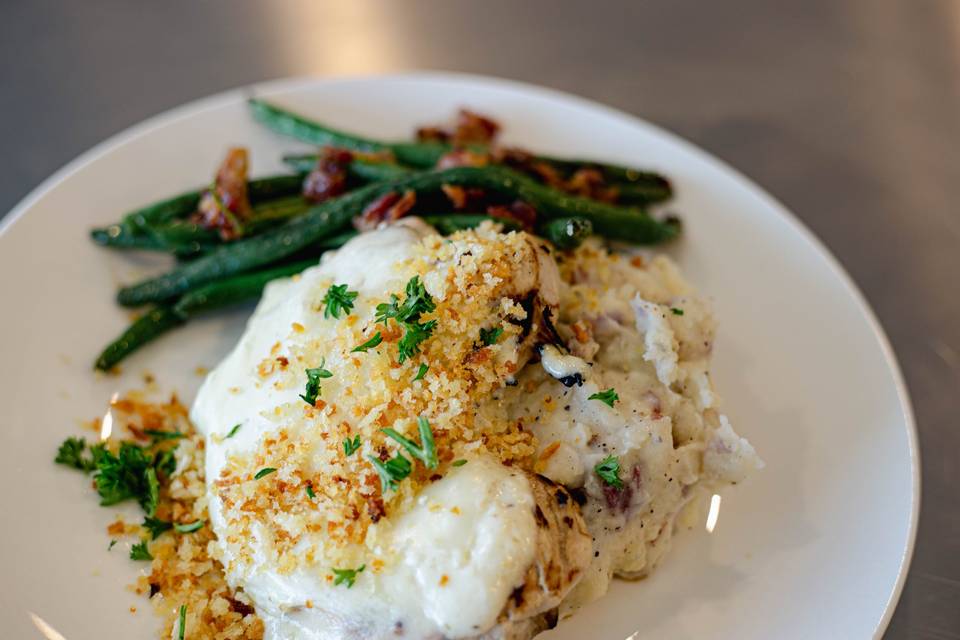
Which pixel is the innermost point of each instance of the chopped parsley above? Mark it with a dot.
(369, 344)
(310, 493)
(347, 576)
(459, 463)
(182, 622)
(71, 453)
(156, 526)
(421, 371)
(676, 312)
(489, 336)
(338, 299)
(409, 344)
(112, 544)
(392, 471)
(233, 431)
(407, 315)
(426, 452)
(350, 446)
(132, 472)
(264, 472)
(416, 303)
(609, 471)
(313, 383)
(158, 436)
(190, 527)
(607, 397)
(139, 551)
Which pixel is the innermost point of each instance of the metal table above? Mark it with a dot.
(848, 111)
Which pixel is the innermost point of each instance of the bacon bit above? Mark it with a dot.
(550, 450)
(638, 262)
(387, 208)
(444, 579)
(588, 183)
(518, 210)
(329, 178)
(226, 205)
(299, 328)
(462, 158)
(473, 128)
(456, 194)
(282, 360)
(470, 128)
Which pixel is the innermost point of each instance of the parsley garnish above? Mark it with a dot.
(130, 473)
(427, 452)
(407, 315)
(348, 576)
(313, 383)
(417, 302)
(264, 472)
(676, 312)
(111, 545)
(409, 344)
(489, 336)
(71, 453)
(139, 551)
(421, 371)
(189, 527)
(609, 471)
(350, 446)
(607, 397)
(182, 622)
(157, 436)
(369, 344)
(392, 471)
(310, 493)
(233, 431)
(338, 299)
(156, 526)
(459, 463)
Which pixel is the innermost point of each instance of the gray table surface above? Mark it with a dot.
(846, 110)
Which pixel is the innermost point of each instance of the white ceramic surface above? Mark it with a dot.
(815, 546)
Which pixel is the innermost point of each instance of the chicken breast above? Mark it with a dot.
(478, 547)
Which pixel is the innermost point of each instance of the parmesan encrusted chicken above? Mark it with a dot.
(447, 438)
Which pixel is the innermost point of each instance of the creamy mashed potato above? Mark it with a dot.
(447, 552)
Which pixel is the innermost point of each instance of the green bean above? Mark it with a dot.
(425, 155)
(632, 225)
(453, 222)
(181, 206)
(150, 325)
(242, 288)
(643, 194)
(364, 170)
(567, 233)
(121, 236)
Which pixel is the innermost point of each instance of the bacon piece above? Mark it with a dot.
(387, 208)
(473, 128)
(329, 178)
(518, 210)
(226, 205)
(462, 158)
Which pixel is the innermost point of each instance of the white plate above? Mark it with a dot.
(815, 546)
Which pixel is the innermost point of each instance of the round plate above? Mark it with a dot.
(814, 546)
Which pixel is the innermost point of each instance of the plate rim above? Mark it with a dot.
(293, 83)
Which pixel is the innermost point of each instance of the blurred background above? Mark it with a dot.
(848, 111)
